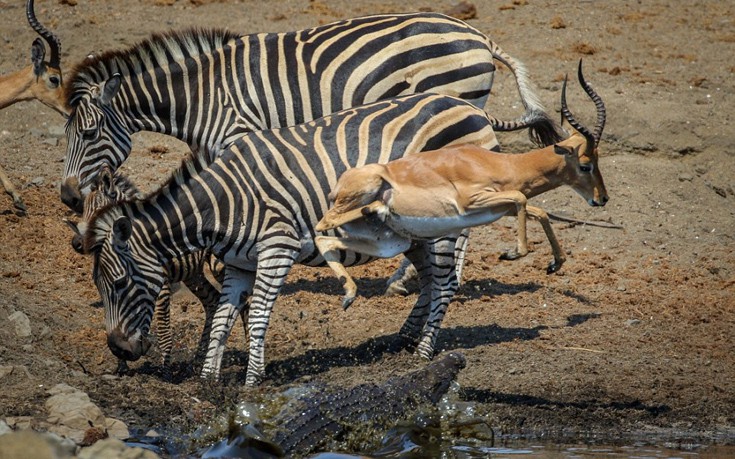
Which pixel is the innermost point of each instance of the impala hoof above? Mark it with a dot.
(347, 302)
(511, 255)
(553, 267)
(396, 289)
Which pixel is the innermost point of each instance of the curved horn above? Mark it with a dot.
(601, 115)
(53, 41)
(567, 115)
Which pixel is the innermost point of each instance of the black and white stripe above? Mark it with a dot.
(189, 268)
(208, 87)
(255, 208)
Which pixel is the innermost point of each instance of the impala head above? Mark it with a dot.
(355, 188)
(49, 87)
(580, 149)
(128, 281)
(96, 136)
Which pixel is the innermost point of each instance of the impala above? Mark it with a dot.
(41, 80)
(383, 208)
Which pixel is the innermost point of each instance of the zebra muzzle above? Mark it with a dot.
(125, 347)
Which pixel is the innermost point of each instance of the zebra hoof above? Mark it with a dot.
(20, 206)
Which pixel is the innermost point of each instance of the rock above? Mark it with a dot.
(53, 141)
(115, 449)
(38, 181)
(21, 323)
(19, 422)
(28, 444)
(463, 10)
(57, 131)
(5, 370)
(631, 322)
(72, 414)
(4, 428)
(686, 177)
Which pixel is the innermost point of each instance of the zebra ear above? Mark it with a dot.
(110, 89)
(105, 180)
(122, 229)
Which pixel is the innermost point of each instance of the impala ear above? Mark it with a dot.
(38, 53)
(562, 150)
(122, 229)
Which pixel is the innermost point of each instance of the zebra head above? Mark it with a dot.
(96, 135)
(108, 188)
(127, 278)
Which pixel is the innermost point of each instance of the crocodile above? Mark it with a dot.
(330, 417)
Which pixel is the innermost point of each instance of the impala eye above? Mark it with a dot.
(54, 81)
(585, 167)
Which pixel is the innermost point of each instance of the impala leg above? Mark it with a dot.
(273, 266)
(502, 203)
(235, 284)
(10, 189)
(539, 214)
(329, 247)
(443, 287)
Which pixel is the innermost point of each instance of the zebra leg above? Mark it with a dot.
(163, 325)
(444, 286)
(397, 283)
(460, 251)
(419, 256)
(274, 263)
(235, 284)
(209, 296)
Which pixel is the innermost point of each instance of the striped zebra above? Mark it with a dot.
(209, 87)
(255, 208)
(114, 188)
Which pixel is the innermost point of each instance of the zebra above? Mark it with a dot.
(208, 87)
(110, 188)
(255, 208)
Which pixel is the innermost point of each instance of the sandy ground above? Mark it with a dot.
(633, 338)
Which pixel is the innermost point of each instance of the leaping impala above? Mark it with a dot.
(41, 80)
(383, 208)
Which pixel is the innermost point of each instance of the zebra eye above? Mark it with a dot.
(585, 167)
(89, 134)
(120, 283)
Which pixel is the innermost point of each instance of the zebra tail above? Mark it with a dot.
(542, 130)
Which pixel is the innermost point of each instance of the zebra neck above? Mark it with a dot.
(185, 215)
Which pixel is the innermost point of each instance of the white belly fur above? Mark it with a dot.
(434, 227)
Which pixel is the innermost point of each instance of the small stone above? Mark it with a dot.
(57, 131)
(686, 177)
(6, 370)
(22, 324)
(631, 322)
(38, 181)
(4, 428)
(53, 141)
(621, 288)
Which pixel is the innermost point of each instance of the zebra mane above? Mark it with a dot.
(156, 51)
(100, 223)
